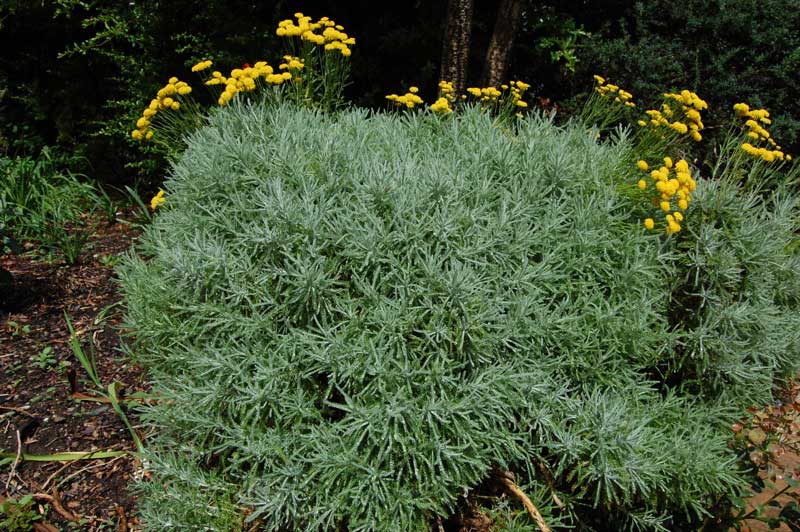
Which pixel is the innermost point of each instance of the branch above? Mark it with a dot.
(514, 489)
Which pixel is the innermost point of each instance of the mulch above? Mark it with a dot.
(39, 375)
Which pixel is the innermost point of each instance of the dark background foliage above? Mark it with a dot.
(75, 73)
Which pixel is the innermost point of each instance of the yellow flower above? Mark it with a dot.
(667, 162)
(741, 109)
(678, 216)
(521, 103)
(642, 184)
(680, 127)
(642, 165)
(158, 200)
(683, 204)
(136, 134)
(649, 223)
(697, 137)
(749, 148)
(693, 115)
(183, 91)
(413, 90)
(202, 65)
(442, 106)
(665, 206)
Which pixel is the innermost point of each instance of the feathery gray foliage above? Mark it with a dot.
(353, 318)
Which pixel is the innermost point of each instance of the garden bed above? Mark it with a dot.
(37, 366)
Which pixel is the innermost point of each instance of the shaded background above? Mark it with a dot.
(74, 75)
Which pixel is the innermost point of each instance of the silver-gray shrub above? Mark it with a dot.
(352, 319)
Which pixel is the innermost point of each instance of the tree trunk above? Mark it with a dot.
(505, 29)
(455, 49)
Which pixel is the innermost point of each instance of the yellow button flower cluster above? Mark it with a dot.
(166, 100)
(202, 65)
(691, 105)
(486, 94)
(332, 37)
(447, 91)
(217, 78)
(688, 99)
(491, 94)
(607, 89)
(409, 99)
(158, 200)
(759, 134)
(291, 63)
(441, 106)
(518, 88)
(662, 118)
(246, 80)
(673, 184)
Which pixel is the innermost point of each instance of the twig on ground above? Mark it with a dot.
(514, 489)
(122, 526)
(18, 411)
(548, 477)
(55, 501)
(87, 468)
(44, 527)
(13, 472)
(59, 470)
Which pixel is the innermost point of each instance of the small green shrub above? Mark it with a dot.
(354, 318)
(19, 514)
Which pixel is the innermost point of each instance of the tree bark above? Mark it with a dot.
(505, 30)
(455, 48)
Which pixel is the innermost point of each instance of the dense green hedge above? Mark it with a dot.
(352, 319)
(725, 50)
